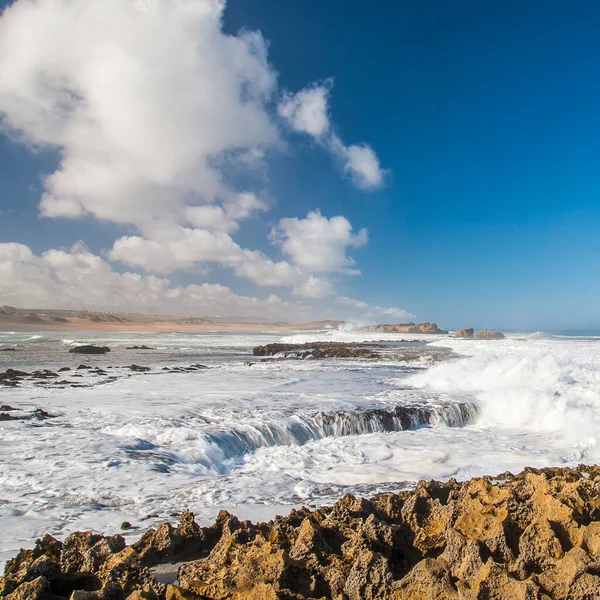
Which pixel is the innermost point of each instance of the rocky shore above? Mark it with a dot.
(535, 535)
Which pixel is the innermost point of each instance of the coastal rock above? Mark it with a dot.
(89, 349)
(465, 333)
(535, 535)
(138, 368)
(428, 328)
(8, 349)
(488, 334)
(316, 350)
(139, 348)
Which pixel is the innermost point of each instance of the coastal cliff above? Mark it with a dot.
(407, 328)
(535, 535)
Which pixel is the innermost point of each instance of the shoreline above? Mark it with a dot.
(531, 535)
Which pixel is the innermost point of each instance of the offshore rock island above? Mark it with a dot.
(535, 535)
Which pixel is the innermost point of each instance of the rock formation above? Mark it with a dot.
(533, 536)
(408, 328)
(316, 350)
(465, 333)
(487, 334)
(90, 349)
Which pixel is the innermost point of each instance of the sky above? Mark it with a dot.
(430, 161)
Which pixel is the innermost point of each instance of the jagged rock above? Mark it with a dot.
(487, 334)
(532, 536)
(89, 349)
(138, 368)
(465, 333)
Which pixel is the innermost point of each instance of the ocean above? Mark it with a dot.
(259, 437)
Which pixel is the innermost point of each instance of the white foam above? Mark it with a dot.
(247, 439)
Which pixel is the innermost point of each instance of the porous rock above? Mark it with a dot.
(532, 536)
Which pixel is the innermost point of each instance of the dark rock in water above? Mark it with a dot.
(6, 408)
(138, 368)
(465, 333)
(39, 413)
(316, 350)
(12, 377)
(486, 334)
(8, 417)
(90, 349)
(8, 349)
(83, 367)
(125, 525)
(531, 536)
(140, 348)
(63, 369)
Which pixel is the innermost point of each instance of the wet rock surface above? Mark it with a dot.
(12, 378)
(400, 350)
(533, 536)
(317, 350)
(89, 349)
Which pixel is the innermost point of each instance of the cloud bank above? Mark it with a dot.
(155, 114)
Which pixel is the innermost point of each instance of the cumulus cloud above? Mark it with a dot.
(156, 116)
(82, 280)
(307, 111)
(139, 98)
(186, 247)
(317, 243)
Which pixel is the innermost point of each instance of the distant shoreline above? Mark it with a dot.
(152, 327)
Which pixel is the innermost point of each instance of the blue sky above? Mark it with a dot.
(483, 117)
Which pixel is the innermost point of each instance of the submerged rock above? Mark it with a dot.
(535, 535)
(89, 349)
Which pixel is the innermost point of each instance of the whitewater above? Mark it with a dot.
(258, 437)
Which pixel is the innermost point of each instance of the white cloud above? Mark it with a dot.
(141, 99)
(318, 244)
(397, 313)
(84, 281)
(345, 301)
(156, 114)
(225, 218)
(307, 110)
(363, 166)
(186, 247)
(374, 312)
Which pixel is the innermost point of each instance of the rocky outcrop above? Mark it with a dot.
(464, 333)
(90, 349)
(487, 334)
(316, 350)
(408, 328)
(535, 535)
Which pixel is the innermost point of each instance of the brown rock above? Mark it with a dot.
(487, 334)
(465, 333)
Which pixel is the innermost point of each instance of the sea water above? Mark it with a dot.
(259, 437)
